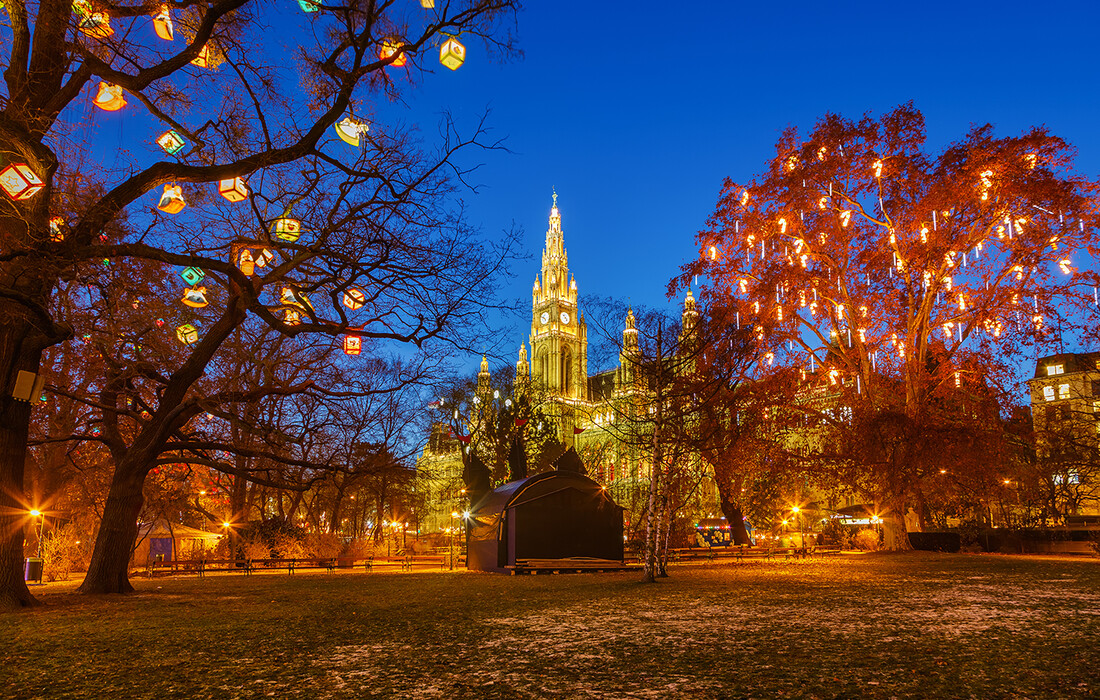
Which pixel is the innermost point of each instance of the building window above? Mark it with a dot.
(1063, 391)
(1095, 387)
(1048, 393)
(1055, 369)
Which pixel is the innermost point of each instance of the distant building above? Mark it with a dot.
(583, 407)
(1065, 410)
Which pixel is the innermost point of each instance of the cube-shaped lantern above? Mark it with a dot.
(187, 334)
(172, 200)
(97, 24)
(171, 142)
(287, 229)
(292, 317)
(389, 48)
(203, 59)
(264, 256)
(308, 5)
(109, 97)
(350, 131)
(246, 263)
(19, 181)
(56, 233)
(353, 344)
(162, 23)
(427, 4)
(192, 275)
(452, 54)
(354, 298)
(233, 189)
(195, 297)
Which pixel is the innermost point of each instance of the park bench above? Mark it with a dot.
(568, 565)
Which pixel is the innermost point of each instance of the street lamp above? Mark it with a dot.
(41, 521)
(801, 528)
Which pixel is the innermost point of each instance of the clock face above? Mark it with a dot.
(545, 318)
(564, 317)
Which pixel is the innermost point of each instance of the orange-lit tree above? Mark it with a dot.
(224, 110)
(892, 276)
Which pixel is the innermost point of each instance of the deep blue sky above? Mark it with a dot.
(636, 111)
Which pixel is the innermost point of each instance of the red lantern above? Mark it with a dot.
(353, 344)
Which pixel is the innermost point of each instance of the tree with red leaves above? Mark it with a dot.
(893, 276)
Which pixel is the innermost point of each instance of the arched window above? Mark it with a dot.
(566, 369)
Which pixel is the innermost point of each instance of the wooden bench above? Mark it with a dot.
(568, 565)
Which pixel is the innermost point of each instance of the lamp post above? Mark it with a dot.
(454, 526)
(41, 521)
(801, 529)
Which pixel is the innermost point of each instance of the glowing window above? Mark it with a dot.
(1048, 393)
(1063, 391)
(1055, 369)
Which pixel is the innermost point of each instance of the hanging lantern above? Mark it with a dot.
(233, 189)
(452, 54)
(350, 131)
(389, 48)
(292, 317)
(109, 97)
(56, 233)
(187, 334)
(96, 24)
(192, 275)
(195, 297)
(287, 229)
(353, 344)
(171, 142)
(354, 298)
(427, 4)
(203, 59)
(308, 5)
(264, 256)
(162, 23)
(246, 263)
(172, 200)
(20, 182)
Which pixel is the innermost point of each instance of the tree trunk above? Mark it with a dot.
(17, 352)
(110, 562)
(735, 518)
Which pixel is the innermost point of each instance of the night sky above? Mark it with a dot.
(635, 112)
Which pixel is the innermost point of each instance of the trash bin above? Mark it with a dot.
(32, 569)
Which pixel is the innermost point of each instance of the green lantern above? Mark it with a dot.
(192, 275)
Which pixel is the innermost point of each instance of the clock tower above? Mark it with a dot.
(559, 336)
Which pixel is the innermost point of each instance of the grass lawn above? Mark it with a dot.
(911, 625)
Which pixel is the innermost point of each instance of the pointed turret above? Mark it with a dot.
(523, 372)
(483, 377)
(689, 319)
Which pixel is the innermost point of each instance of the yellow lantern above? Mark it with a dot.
(350, 131)
(109, 97)
(172, 200)
(246, 263)
(287, 229)
(20, 182)
(195, 297)
(162, 23)
(233, 189)
(389, 48)
(292, 317)
(187, 334)
(96, 24)
(353, 344)
(427, 4)
(56, 233)
(354, 298)
(203, 59)
(452, 54)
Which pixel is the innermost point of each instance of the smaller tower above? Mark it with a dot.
(523, 372)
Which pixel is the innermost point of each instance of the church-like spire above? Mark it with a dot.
(483, 376)
(630, 333)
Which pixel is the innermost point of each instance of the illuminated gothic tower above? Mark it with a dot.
(559, 336)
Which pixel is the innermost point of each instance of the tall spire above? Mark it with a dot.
(555, 283)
